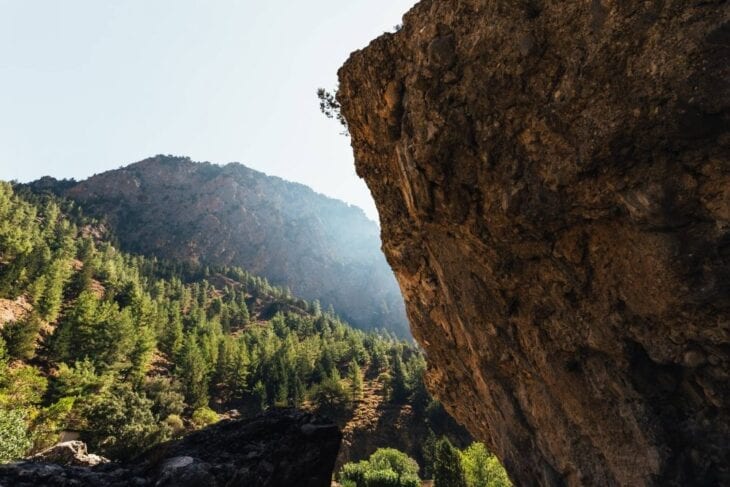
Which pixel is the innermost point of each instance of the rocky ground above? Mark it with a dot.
(281, 448)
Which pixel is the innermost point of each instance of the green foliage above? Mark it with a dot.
(392, 459)
(14, 438)
(447, 469)
(193, 372)
(20, 336)
(387, 467)
(482, 468)
(166, 398)
(49, 422)
(330, 396)
(120, 423)
(140, 347)
(204, 416)
(356, 383)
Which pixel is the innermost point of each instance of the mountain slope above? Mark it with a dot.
(319, 247)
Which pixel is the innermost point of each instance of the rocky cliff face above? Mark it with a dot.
(280, 449)
(553, 184)
(198, 212)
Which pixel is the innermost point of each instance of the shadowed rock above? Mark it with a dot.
(279, 449)
(553, 184)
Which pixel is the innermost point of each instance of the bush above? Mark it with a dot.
(204, 416)
(381, 478)
(387, 467)
(392, 459)
(121, 424)
(14, 440)
(175, 424)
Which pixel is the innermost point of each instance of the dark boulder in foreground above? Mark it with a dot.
(282, 448)
(553, 183)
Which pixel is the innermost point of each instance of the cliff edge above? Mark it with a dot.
(553, 184)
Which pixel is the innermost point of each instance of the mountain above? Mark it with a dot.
(553, 182)
(319, 247)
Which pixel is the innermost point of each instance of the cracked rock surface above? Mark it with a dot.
(553, 184)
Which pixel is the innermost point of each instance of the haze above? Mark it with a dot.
(87, 86)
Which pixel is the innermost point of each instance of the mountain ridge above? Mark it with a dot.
(320, 247)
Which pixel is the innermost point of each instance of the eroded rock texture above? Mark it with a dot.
(553, 184)
(282, 448)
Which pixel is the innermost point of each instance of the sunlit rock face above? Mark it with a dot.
(553, 185)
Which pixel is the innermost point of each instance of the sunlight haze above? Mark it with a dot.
(88, 86)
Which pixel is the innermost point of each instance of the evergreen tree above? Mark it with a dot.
(399, 380)
(447, 469)
(172, 338)
(356, 385)
(193, 373)
(20, 336)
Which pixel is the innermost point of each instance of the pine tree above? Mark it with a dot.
(193, 373)
(356, 385)
(447, 469)
(20, 337)
(172, 338)
(399, 381)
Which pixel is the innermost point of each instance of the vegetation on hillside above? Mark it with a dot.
(130, 351)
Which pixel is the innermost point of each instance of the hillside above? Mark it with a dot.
(128, 351)
(318, 247)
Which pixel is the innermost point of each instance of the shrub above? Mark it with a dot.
(387, 467)
(120, 423)
(14, 440)
(175, 423)
(204, 416)
(381, 478)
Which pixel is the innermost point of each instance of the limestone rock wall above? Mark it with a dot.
(553, 183)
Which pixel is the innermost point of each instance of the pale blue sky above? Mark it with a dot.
(90, 85)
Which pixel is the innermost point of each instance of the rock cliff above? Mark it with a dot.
(553, 184)
(319, 247)
(282, 448)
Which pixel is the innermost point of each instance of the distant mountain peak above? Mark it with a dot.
(320, 247)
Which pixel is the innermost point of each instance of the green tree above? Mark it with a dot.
(21, 336)
(387, 467)
(399, 381)
(482, 468)
(330, 396)
(356, 385)
(447, 469)
(172, 338)
(120, 423)
(193, 373)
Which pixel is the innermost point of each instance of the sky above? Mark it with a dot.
(89, 85)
